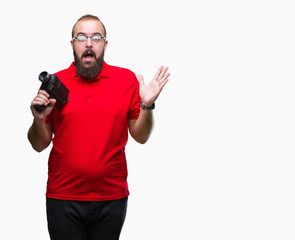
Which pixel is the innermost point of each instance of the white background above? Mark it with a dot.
(220, 163)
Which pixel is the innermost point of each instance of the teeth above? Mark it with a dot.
(88, 54)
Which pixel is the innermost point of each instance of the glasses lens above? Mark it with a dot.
(96, 38)
(81, 38)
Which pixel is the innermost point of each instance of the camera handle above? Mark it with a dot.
(40, 108)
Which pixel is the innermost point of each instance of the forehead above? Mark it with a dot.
(88, 27)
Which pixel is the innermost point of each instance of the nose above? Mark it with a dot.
(89, 42)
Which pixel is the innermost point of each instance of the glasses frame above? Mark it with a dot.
(84, 41)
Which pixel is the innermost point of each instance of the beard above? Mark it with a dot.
(88, 71)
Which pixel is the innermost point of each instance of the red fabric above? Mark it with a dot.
(87, 161)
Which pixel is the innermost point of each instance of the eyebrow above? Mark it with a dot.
(96, 33)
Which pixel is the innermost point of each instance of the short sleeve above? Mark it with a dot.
(134, 107)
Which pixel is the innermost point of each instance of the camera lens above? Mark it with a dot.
(44, 77)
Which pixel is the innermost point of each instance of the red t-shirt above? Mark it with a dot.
(87, 161)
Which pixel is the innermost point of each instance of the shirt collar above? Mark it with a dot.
(104, 73)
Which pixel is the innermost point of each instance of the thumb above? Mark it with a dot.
(51, 104)
(140, 79)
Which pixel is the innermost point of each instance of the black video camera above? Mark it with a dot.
(55, 88)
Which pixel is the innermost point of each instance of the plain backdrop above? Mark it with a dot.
(220, 163)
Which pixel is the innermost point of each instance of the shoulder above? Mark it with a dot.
(122, 76)
(120, 71)
(68, 72)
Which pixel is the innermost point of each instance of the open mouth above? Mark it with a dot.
(88, 55)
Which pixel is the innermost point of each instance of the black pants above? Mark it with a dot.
(83, 220)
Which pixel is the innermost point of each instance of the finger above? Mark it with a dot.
(41, 96)
(164, 79)
(156, 77)
(165, 76)
(163, 84)
(163, 72)
(49, 106)
(40, 100)
(52, 102)
(44, 93)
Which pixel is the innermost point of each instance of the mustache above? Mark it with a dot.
(89, 52)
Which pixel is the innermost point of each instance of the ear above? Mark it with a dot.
(105, 44)
(72, 43)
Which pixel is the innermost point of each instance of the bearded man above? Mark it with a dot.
(87, 188)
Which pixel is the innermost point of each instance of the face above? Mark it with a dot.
(89, 56)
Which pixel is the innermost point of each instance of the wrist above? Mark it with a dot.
(39, 122)
(147, 106)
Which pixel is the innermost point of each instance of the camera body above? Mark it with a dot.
(55, 88)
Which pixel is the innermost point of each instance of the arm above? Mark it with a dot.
(141, 128)
(40, 133)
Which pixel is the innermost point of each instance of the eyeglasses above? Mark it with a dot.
(83, 38)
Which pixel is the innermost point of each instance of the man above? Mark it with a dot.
(87, 189)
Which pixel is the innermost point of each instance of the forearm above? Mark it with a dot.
(143, 126)
(39, 135)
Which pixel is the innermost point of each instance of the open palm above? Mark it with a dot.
(150, 92)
